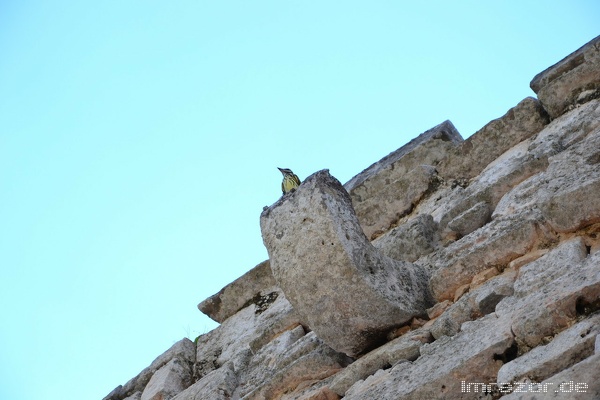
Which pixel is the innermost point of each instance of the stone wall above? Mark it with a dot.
(444, 270)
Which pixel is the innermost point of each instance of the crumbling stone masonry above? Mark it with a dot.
(450, 269)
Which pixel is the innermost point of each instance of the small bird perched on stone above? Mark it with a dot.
(290, 180)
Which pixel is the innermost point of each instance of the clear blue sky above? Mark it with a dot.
(139, 141)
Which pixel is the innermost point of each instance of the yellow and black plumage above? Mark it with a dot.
(290, 180)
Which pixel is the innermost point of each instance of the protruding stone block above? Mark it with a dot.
(411, 240)
(247, 289)
(168, 381)
(573, 80)
(344, 289)
(390, 188)
(472, 156)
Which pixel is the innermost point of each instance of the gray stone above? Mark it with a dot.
(471, 219)
(572, 175)
(411, 240)
(475, 304)
(391, 187)
(405, 347)
(169, 380)
(573, 80)
(314, 240)
(249, 288)
(318, 364)
(185, 349)
(243, 334)
(495, 244)
(467, 160)
(579, 382)
(135, 396)
(551, 292)
(469, 356)
(500, 176)
(566, 349)
(219, 384)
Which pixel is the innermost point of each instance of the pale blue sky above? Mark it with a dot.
(139, 141)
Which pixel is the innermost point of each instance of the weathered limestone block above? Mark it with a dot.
(242, 334)
(185, 349)
(560, 135)
(345, 290)
(496, 244)
(406, 347)
(551, 292)
(567, 201)
(579, 382)
(277, 369)
(217, 385)
(391, 187)
(470, 158)
(573, 80)
(477, 303)
(473, 355)
(471, 219)
(169, 380)
(411, 240)
(249, 288)
(566, 349)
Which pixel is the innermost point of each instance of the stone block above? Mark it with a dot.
(495, 244)
(219, 384)
(573, 80)
(475, 304)
(281, 353)
(243, 334)
(472, 355)
(579, 382)
(566, 349)
(405, 347)
(411, 240)
(247, 289)
(185, 349)
(314, 239)
(470, 208)
(471, 219)
(314, 366)
(552, 292)
(471, 157)
(391, 187)
(169, 380)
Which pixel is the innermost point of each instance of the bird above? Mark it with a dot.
(290, 180)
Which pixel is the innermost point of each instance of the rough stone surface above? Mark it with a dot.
(572, 175)
(391, 187)
(468, 159)
(219, 384)
(566, 349)
(550, 292)
(573, 80)
(249, 288)
(496, 244)
(475, 304)
(579, 382)
(443, 364)
(411, 240)
(406, 347)
(184, 350)
(275, 358)
(239, 336)
(314, 239)
(169, 380)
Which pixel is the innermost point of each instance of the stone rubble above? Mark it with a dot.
(450, 269)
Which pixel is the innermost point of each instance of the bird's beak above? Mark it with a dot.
(280, 169)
